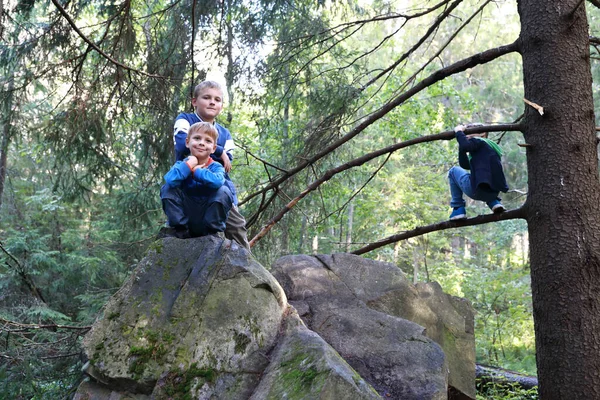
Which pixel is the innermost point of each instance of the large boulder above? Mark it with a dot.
(197, 315)
(201, 319)
(363, 308)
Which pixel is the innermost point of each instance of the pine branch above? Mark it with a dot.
(64, 13)
(27, 280)
(518, 213)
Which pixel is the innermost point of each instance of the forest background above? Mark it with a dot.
(90, 90)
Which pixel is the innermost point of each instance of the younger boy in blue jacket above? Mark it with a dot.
(485, 181)
(194, 197)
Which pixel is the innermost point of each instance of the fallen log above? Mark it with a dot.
(503, 377)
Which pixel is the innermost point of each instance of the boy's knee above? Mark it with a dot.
(224, 196)
(168, 192)
(451, 171)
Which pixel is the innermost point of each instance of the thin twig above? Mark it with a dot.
(40, 326)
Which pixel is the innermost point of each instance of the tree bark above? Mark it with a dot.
(563, 204)
(6, 131)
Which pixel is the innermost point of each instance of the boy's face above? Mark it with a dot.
(208, 104)
(201, 145)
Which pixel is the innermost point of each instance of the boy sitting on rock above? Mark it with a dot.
(194, 197)
(208, 103)
(486, 179)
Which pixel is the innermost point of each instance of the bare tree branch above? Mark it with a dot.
(64, 13)
(448, 135)
(27, 280)
(19, 327)
(518, 213)
(460, 66)
(418, 44)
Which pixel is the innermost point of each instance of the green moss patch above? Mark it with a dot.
(178, 385)
(300, 376)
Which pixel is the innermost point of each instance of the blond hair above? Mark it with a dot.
(207, 85)
(204, 127)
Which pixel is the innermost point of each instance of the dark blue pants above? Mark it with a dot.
(460, 182)
(201, 215)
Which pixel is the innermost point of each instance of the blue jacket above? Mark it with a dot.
(224, 144)
(485, 164)
(201, 183)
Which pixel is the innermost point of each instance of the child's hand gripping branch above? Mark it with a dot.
(486, 177)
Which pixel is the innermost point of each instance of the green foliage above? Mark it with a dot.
(491, 390)
(92, 141)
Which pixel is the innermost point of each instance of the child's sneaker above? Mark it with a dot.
(496, 207)
(458, 213)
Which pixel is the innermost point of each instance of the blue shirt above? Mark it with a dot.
(200, 183)
(224, 144)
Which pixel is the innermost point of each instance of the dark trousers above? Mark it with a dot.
(201, 215)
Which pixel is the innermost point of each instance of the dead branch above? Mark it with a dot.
(460, 66)
(26, 279)
(579, 3)
(261, 160)
(20, 327)
(539, 108)
(435, 26)
(447, 135)
(518, 213)
(595, 3)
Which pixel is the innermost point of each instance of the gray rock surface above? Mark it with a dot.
(363, 307)
(197, 315)
(201, 319)
(304, 366)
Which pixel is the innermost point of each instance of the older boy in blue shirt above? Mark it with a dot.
(208, 104)
(485, 181)
(194, 197)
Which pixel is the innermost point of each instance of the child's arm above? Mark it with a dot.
(463, 160)
(225, 152)
(466, 144)
(180, 171)
(212, 176)
(179, 134)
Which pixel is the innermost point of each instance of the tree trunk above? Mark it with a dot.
(349, 226)
(563, 204)
(6, 131)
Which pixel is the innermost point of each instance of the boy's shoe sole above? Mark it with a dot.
(458, 217)
(498, 208)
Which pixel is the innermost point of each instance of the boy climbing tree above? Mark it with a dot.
(485, 181)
